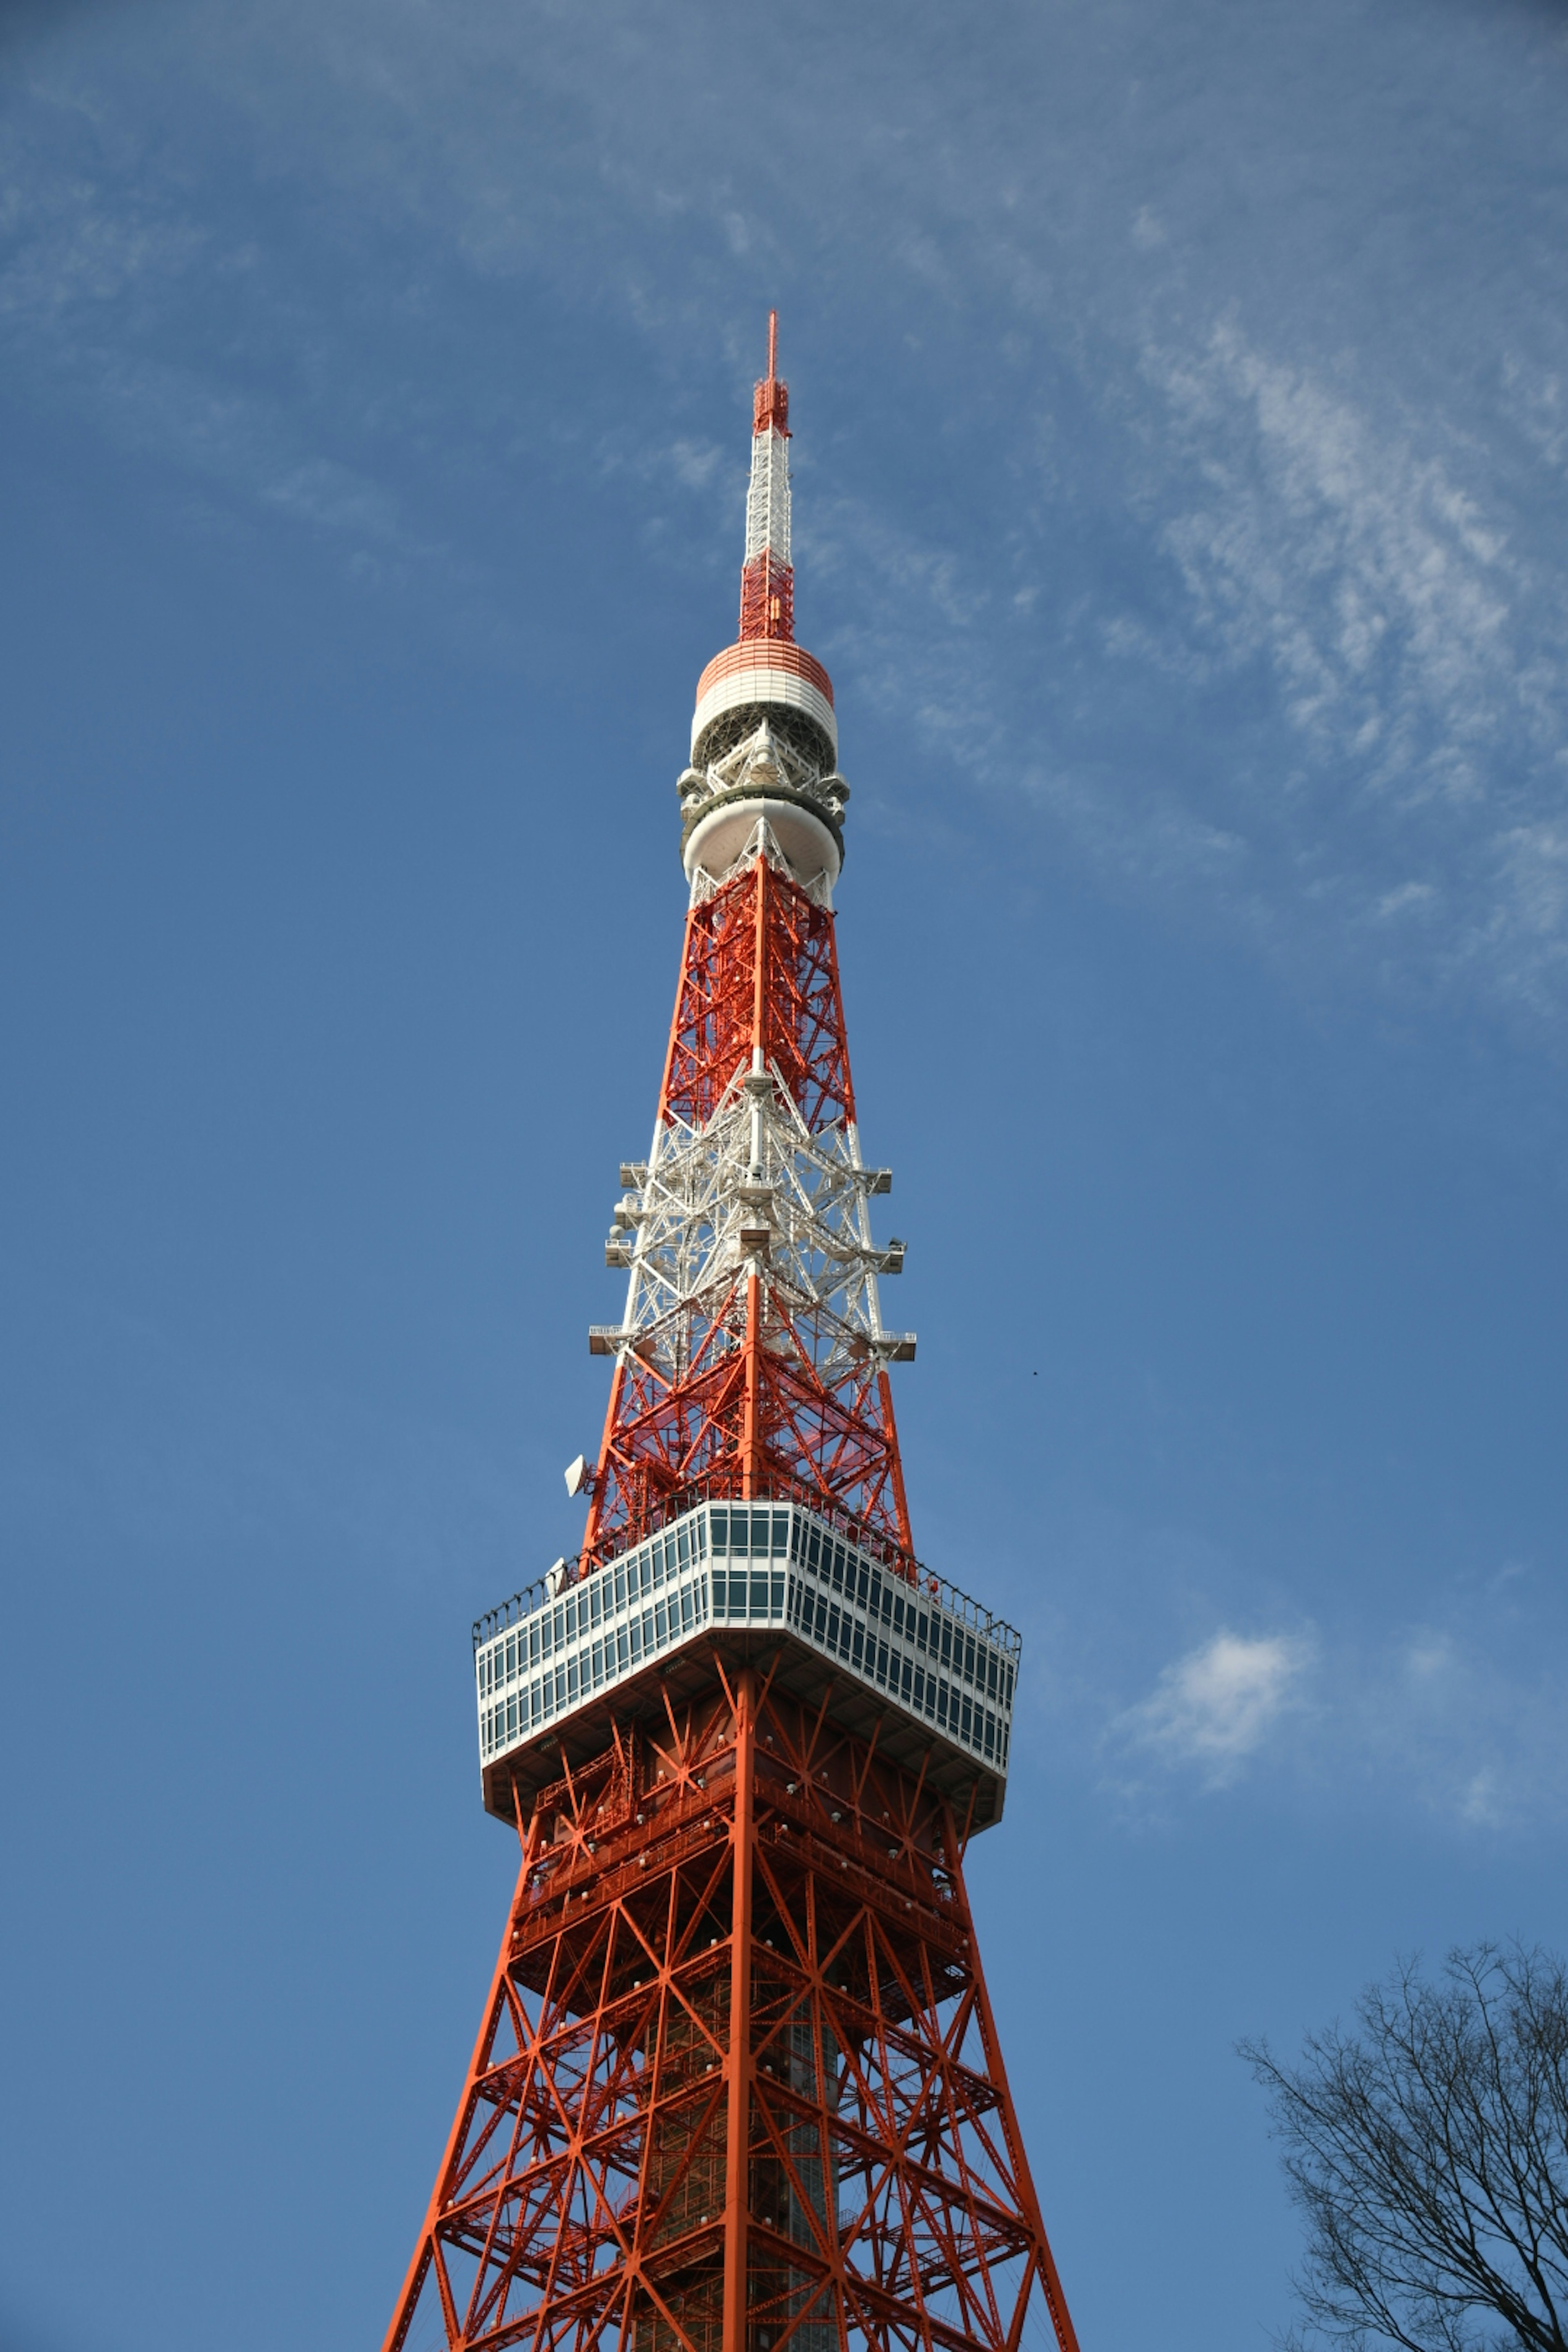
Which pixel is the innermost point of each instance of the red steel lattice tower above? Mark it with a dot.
(737, 2087)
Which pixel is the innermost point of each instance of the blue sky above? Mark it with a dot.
(1181, 401)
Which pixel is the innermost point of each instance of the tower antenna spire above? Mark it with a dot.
(767, 579)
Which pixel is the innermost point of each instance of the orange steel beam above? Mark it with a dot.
(722, 1404)
(738, 2087)
(424, 2250)
(739, 2061)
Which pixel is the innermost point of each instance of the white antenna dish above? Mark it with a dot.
(555, 1577)
(579, 1475)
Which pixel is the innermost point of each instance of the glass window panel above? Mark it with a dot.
(781, 1534)
(660, 1626)
(863, 1585)
(814, 1549)
(775, 1599)
(684, 1606)
(760, 1593)
(832, 1627)
(822, 1608)
(876, 1595)
(908, 1670)
(721, 1530)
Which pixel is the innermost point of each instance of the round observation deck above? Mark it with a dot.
(766, 677)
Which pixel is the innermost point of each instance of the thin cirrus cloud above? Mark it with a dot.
(1458, 1722)
(1234, 572)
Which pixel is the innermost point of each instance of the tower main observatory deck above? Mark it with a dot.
(908, 1662)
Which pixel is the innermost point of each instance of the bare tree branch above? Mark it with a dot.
(1428, 2154)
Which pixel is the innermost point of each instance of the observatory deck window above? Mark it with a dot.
(552, 1647)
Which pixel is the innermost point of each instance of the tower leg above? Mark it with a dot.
(738, 2087)
(737, 2155)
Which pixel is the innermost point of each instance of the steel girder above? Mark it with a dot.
(752, 1358)
(737, 2086)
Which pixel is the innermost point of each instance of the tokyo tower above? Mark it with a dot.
(737, 2086)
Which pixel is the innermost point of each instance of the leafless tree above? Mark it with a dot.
(1428, 2154)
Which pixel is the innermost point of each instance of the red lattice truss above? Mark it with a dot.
(736, 1400)
(737, 2086)
(767, 598)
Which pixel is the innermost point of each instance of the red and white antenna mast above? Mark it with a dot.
(767, 580)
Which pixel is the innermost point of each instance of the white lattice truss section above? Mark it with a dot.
(762, 763)
(755, 1187)
(767, 498)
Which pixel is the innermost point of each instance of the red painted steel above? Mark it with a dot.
(738, 2087)
(770, 398)
(767, 654)
(767, 599)
(750, 1409)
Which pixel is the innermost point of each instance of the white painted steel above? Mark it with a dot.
(743, 787)
(754, 1186)
(927, 1650)
(767, 498)
(764, 682)
(717, 841)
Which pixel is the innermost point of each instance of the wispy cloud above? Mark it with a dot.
(1267, 624)
(1441, 1720)
(1214, 1708)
